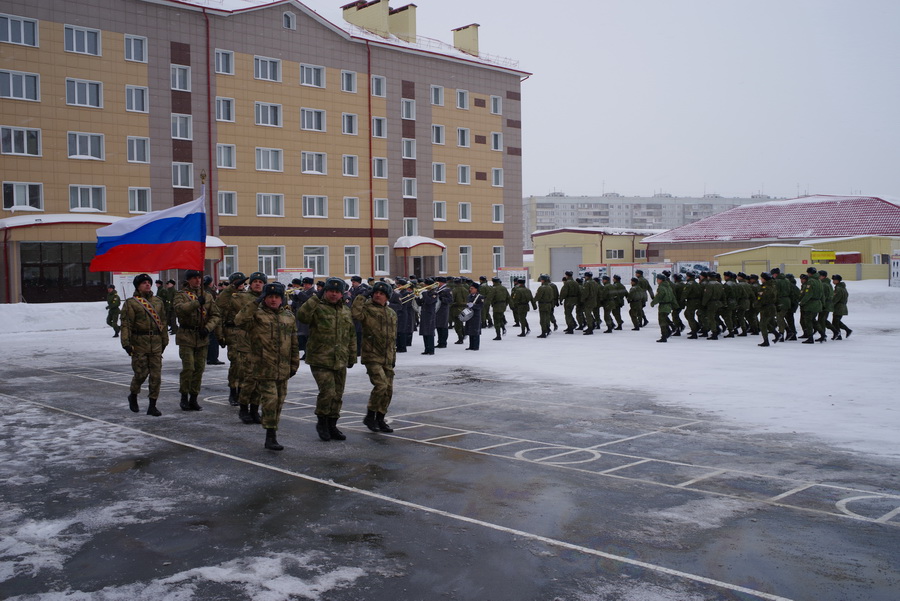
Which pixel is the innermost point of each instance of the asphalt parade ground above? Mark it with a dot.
(488, 489)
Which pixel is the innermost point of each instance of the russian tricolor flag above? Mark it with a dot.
(169, 239)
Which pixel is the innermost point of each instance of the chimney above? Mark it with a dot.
(402, 22)
(465, 38)
(371, 16)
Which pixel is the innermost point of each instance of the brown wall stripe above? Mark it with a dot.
(287, 231)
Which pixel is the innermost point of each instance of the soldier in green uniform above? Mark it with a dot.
(379, 353)
(713, 295)
(755, 307)
(167, 294)
(144, 338)
(230, 302)
(810, 306)
(248, 396)
(840, 307)
(331, 350)
(827, 301)
(742, 317)
(639, 274)
(486, 292)
(731, 302)
(197, 315)
(790, 322)
(545, 303)
(555, 304)
(665, 298)
(636, 297)
(767, 299)
(569, 296)
(112, 309)
(691, 297)
(519, 299)
(619, 292)
(499, 304)
(678, 290)
(783, 306)
(271, 330)
(590, 301)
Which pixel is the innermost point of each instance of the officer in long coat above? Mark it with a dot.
(144, 337)
(442, 311)
(427, 302)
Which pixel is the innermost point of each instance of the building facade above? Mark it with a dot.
(322, 144)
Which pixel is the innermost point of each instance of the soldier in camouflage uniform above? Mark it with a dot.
(144, 338)
(112, 309)
(271, 330)
(499, 304)
(197, 315)
(331, 350)
(230, 302)
(379, 354)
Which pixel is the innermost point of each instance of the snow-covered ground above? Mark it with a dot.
(843, 392)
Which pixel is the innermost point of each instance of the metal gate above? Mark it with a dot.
(563, 260)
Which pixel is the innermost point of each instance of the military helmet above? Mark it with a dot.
(237, 278)
(336, 284)
(258, 275)
(141, 278)
(382, 287)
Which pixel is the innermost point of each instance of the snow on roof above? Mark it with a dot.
(413, 241)
(841, 239)
(609, 231)
(810, 217)
(30, 219)
(743, 250)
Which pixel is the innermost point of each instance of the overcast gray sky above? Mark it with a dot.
(692, 96)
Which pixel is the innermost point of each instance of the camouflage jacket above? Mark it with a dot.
(230, 303)
(379, 331)
(193, 318)
(272, 334)
(140, 330)
(332, 337)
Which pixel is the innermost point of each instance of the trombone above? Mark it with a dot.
(417, 292)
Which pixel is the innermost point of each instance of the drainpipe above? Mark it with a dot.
(371, 175)
(6, 267)
(209, 123)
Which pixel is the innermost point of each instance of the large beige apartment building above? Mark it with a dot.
(351, 148)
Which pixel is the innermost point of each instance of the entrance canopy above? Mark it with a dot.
(419, 246)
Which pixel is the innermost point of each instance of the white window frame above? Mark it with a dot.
(15, 141)
(463, 137)
(266, 68)
(379, 127)
(269, 205)
(351, 260)
(312, 76)
(78, 92)
(439, 173)
(316, 258)
(229, 263)
(348, 81)
(437, 95)
(351, 207)
(225, 109)
(289, 20)
(615, 253)
(77, 40)
(464, 175)
(315, 206)
(15, 32)
(269, 159)
(350, 165)
(92, 194)
(462, 99)
(442, 261)
(409, 187)
(133, 147)
(497, 141)
(497, 177)
(182, 127)
(267, 114)
(408, 109)
(640, 253)
(499, 257)
(408, 148)
(226, 156)
(94, 145)
(465, 259)
(379, 168)
(350, 124)
(438, 134)
(17, 88)
(410, 226)
(440, 210)
(465, 212)
(496, 105)
(182, 175)
(315, 163)
(131, 41)
(316, 116)
(227, 202)
(180, 76)
(137, 95)
(498, 213)
(23, 191)
(135, 199)
(224, 62)
(380, 208)
(379, 86)
(382, 260)
(270, 259)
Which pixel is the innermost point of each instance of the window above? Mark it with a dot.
(182, 175)
(136, 48)
(270, 205)
(229, 263)
(379, 86)
(351, 207)
(85, 146)
(182, 127)
(497, 177)
(82, 40)
(348, 81)
(20, 86)
(138, 200)
(462, 99)
(312, 75)
(409, 187)
(465, 211)
(21, 141)
(379, 127)
(224, 109)
(18, 30)
(138, 150)
(437, 95)
(136, 99)
(410, 226)
(227, 203)
(268, 69)
(496, 105)
(442, 261)
(497, 213)
(409, 148)
(462, 137)
(316, 258)
(349, 124)
(463, 175)
(224, 62)
(465, 259)
(499, 254)
(315, 206)
(181, 77)
(351, 165)
(382, 266)
(80, 92)
(440, 210)
(496, 140)
(437, 134)
(271, 259)
(289, 20)
(640, 253)
(226, 156)
(314, 162)
(22, 195)
(268, 159)
(267, 114)
(612, 253)
(439, 173)
(351, 260)
(312, 119)
(407, 109)
(91, 198)
(381, 208)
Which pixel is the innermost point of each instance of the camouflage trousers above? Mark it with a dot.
(249, 392)
(237, 367)
(193, 362)
(143, 365)
(331, 390)
(271, 394)
(382, 378)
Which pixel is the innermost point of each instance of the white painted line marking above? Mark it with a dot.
(793, 491)
(497, 446)
(701, 478)
(888, 516)
(622, 467)
(603, 444)
(454, 435)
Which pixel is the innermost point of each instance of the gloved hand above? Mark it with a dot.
(469, 305)
(350, 364)
(203, 332)
(293, 373)
(222, 343)
(202, 299)
(128, 349)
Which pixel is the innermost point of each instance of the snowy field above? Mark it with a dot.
(842, 392)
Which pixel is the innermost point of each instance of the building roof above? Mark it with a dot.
(609, 231)
(809, 217)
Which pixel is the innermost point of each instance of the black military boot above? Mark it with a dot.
(333, 429)
(244, 414)
(523, 334)
(543, 334)
(589, 331)
(692, 336)
(765, 342)
(369, 421)
(185, 406)
(382, 425)
(193, 405)
(233, 397)
(152, 410)
(254, 414)
(132, 402)
(322, 428)
(271, 441)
